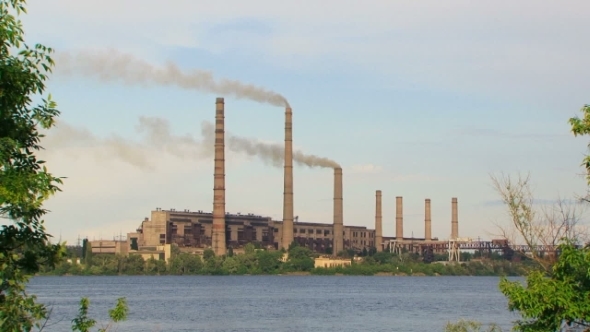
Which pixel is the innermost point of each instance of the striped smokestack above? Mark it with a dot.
(378, 222)
(399, 218)
(454, 219)
(287, 237)
(218, 229)
(338, 239)
(427, 221)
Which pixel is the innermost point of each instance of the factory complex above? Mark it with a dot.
(195, 231)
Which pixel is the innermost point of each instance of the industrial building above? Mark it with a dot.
(220, 230)
(194, 229)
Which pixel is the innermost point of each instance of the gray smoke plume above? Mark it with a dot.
(154, 136)
(115, 66)
(269, 153)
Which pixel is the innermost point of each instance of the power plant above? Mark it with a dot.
(220, 230)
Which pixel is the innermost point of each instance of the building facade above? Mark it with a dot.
(189, 229)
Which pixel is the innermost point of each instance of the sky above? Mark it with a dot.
(420, 99)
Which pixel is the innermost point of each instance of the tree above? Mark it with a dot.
(300, 258)
(25, 182)
(83, 323)
(581, 127)
(470, 326)
(557, 296)
(535, 225)
(550, 303)
(268, 261)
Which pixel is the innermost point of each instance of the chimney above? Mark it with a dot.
(454, 219)
(427, 221)
(338, 238)
(287, 237)
(399, 218)
(218, 229)
(378, 222)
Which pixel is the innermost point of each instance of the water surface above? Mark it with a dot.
(277, 303)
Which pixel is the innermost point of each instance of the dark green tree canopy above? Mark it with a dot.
(24, 181)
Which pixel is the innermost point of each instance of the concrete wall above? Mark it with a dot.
(327, 262)
(109, 247)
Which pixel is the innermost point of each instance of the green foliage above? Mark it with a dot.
(24, 181)
(547, 302)
(260, 261)
(300, 259)
(208, 254)
(83, 323)
(581, 127)
(470, 326)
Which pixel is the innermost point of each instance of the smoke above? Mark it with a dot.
(115, 66)
(155, 136)
(269, 153)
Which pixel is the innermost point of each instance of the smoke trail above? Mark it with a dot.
(113, 66)
(267, 152)
(154, 135)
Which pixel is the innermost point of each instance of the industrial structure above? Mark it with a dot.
(338, 211)
(218, 223)
(194, 231)
(219, 230)
(378, 222)
(288, 178)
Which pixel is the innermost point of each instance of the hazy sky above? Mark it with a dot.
(420, 99)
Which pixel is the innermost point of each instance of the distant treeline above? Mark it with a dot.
(300, 260)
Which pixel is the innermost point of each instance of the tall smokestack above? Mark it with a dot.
(338, 239)
(378, 222)
(454, 219)
(427, 221)
(218, 230)
(399, 218)
(288, 190)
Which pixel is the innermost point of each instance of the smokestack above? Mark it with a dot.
(338, 239)
(454, 219)
(218, 229)
(378, 222)
(287, 238)
(427, 221)
(399, 218)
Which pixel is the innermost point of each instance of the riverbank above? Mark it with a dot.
(298, 261)
(258, 267)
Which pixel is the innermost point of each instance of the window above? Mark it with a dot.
(134, 245)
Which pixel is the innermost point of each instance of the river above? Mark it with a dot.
(277, 303)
